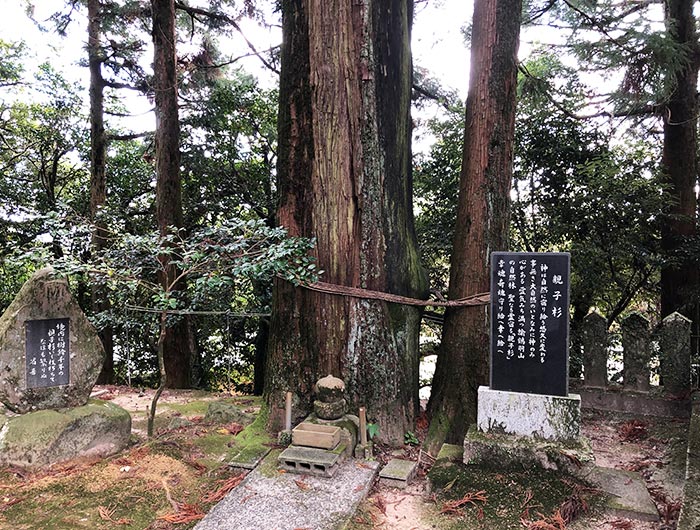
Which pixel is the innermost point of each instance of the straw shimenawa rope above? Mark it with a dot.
(356, 292)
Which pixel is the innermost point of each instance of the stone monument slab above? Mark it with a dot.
(530, 322)
(50, 353)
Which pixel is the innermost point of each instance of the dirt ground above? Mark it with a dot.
(654, 447)
(181, 472)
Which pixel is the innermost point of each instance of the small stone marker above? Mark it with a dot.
(636, 352)
(595, 352)
(530, 322)
(331, 403)
(398, 473)
(50, 354)
(674, 346)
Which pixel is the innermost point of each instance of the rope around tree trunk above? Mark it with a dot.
(356, 292)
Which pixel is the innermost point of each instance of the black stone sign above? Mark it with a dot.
(48, 352)
(530, 322)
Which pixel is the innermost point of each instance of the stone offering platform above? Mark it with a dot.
(274, 500)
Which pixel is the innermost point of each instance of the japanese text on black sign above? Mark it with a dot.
(525, 283)
(48, 352)
(529, 322)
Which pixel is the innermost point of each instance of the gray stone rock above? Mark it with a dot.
(506, 451)
(330, 411)
(398, 473)
(178, 422)
(42, 297)
(223, 412)
(628, 495)
(46, 437)
(534, 415)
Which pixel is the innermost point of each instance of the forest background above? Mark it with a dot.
(603, 89)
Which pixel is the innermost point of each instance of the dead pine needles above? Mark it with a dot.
(456, 507)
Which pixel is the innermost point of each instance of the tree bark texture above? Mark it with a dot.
(344, 175)
(98, 177)
(177, 344)
(679, 279)
(482, 217)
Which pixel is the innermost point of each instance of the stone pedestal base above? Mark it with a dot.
(534, 415)
(515, 429)
(46, 437)
(509, 451)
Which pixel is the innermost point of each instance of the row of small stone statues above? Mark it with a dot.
(639, 346)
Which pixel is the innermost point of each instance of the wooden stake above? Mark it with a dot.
(288, 412)
(363, 427)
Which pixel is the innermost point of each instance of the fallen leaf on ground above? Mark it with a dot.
(223, 489)
(186, 513)
(455, 507)
(107, 513)
(302, 485)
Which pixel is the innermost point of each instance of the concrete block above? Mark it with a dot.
(398, 473)
(311, 461)
(535, 415)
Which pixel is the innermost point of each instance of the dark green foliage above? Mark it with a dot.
(229, 152)
(573, 190)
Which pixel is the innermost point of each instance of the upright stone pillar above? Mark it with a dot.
(594, 337)
(674, 346)
(636, 352)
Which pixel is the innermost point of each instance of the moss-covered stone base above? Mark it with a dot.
(46, 437)
(507, 451)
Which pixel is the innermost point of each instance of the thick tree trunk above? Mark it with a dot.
(679, 279)
(482, 217)
(177, 343)
(98, 179)
(345, 178)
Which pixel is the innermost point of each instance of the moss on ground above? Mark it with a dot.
(187, 462)
(253, 442)
(510, 495)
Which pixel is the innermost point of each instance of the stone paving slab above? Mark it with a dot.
(248, 460)
(270, 500)
(628, 494)
(397, 473)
